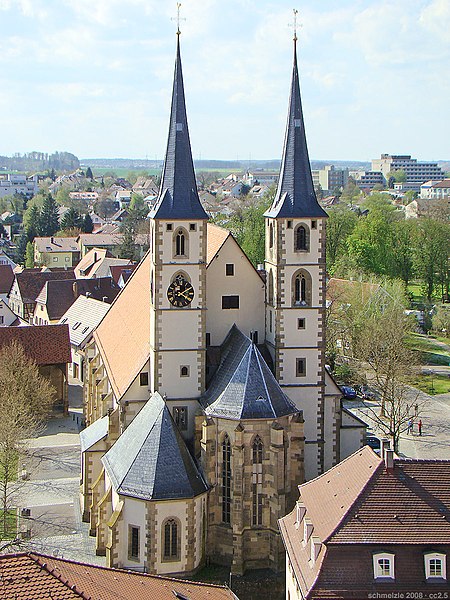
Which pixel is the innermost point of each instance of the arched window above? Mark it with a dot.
(270, 235)
(257, 497)
(226, 480)
(171, 541)
(181, 243)
(270, 288)
(301, 238)
(302, 289)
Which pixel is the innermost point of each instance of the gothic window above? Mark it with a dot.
(133, 542)
(171, 540)
(301, 238)
(181, 243)
(270, 290)
(226, 480)
(302, 289)
(257, 498)
(271, 235)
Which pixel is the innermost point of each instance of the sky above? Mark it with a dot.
(94, 77)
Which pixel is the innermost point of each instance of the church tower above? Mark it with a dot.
(295, 285)
(178, 273)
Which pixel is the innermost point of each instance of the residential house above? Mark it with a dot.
(6, 260)
(121, 273)
(82, 318)
(88, 197)
(56, 251)
(27, 575)
(98, 263)
(56, 297)
(6, 281)
(27, 285)
(371, 526)
(110, 242)
(49, 347)
(7, 317)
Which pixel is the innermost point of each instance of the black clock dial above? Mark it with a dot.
(180, 292)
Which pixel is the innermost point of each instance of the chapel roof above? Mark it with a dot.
(295, 197)
(178, 196)
(150, 460)
(243, 386)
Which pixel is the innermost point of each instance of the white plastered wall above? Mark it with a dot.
(245, 283)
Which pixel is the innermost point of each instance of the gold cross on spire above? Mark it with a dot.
(178, 18)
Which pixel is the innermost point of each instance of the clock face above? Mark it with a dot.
(180, 292)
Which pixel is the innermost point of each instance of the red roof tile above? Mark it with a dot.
(6, 278)
(45, 344)
(31, 575)
(31, 282)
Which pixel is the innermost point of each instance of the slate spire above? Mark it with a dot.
(295, 197)
(178, 196)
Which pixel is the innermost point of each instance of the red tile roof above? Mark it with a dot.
(6, 278)
(37, 576)
(45, 344)
(31, 282)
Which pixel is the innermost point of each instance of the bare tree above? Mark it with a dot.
(25, 401)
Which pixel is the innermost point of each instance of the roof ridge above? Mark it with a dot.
(255, 350)
(59, 577)
(114, 569)
(357, 498)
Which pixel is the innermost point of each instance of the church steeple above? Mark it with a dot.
(295, 197)
(178, 196)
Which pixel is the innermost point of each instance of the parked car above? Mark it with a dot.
(374, 442)
(348, 392)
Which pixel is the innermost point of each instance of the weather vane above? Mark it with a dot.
(294, 24)
(178, 18)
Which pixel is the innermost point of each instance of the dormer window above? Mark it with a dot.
(383, 565)
(435, 567)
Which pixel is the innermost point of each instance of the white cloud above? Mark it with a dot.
(435, 18)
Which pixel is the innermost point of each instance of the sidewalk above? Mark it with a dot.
(435, 440)
(52, 492)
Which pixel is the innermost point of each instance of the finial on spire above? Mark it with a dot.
(178, 18)
(294, 24)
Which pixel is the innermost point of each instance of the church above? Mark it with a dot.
(207, 400)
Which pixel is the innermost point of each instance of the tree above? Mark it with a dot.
(105, 207)
(340, 224)
(88, 225)
(49, 217)
(432, 246)
(25, 401)
(21, 249)
(379, 328)
(32, 222)
(89, 174)
(351, 192)
(402, 248)
(29, 256)
(72, 220)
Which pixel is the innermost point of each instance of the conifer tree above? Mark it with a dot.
(88, 225)
(49, 219)
(29, 256)
(72, 220)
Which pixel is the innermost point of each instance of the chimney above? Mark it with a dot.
(88, 294)
(385, 445)
(105, 298)
(75, 289)
(389, 461)
(52, 240)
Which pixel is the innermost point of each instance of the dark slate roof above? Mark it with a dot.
(178, 196)
(295, 197)
(150, 460)
(243, 386)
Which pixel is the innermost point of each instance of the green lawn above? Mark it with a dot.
(431, 353)
(416, 292)
(432, 384)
